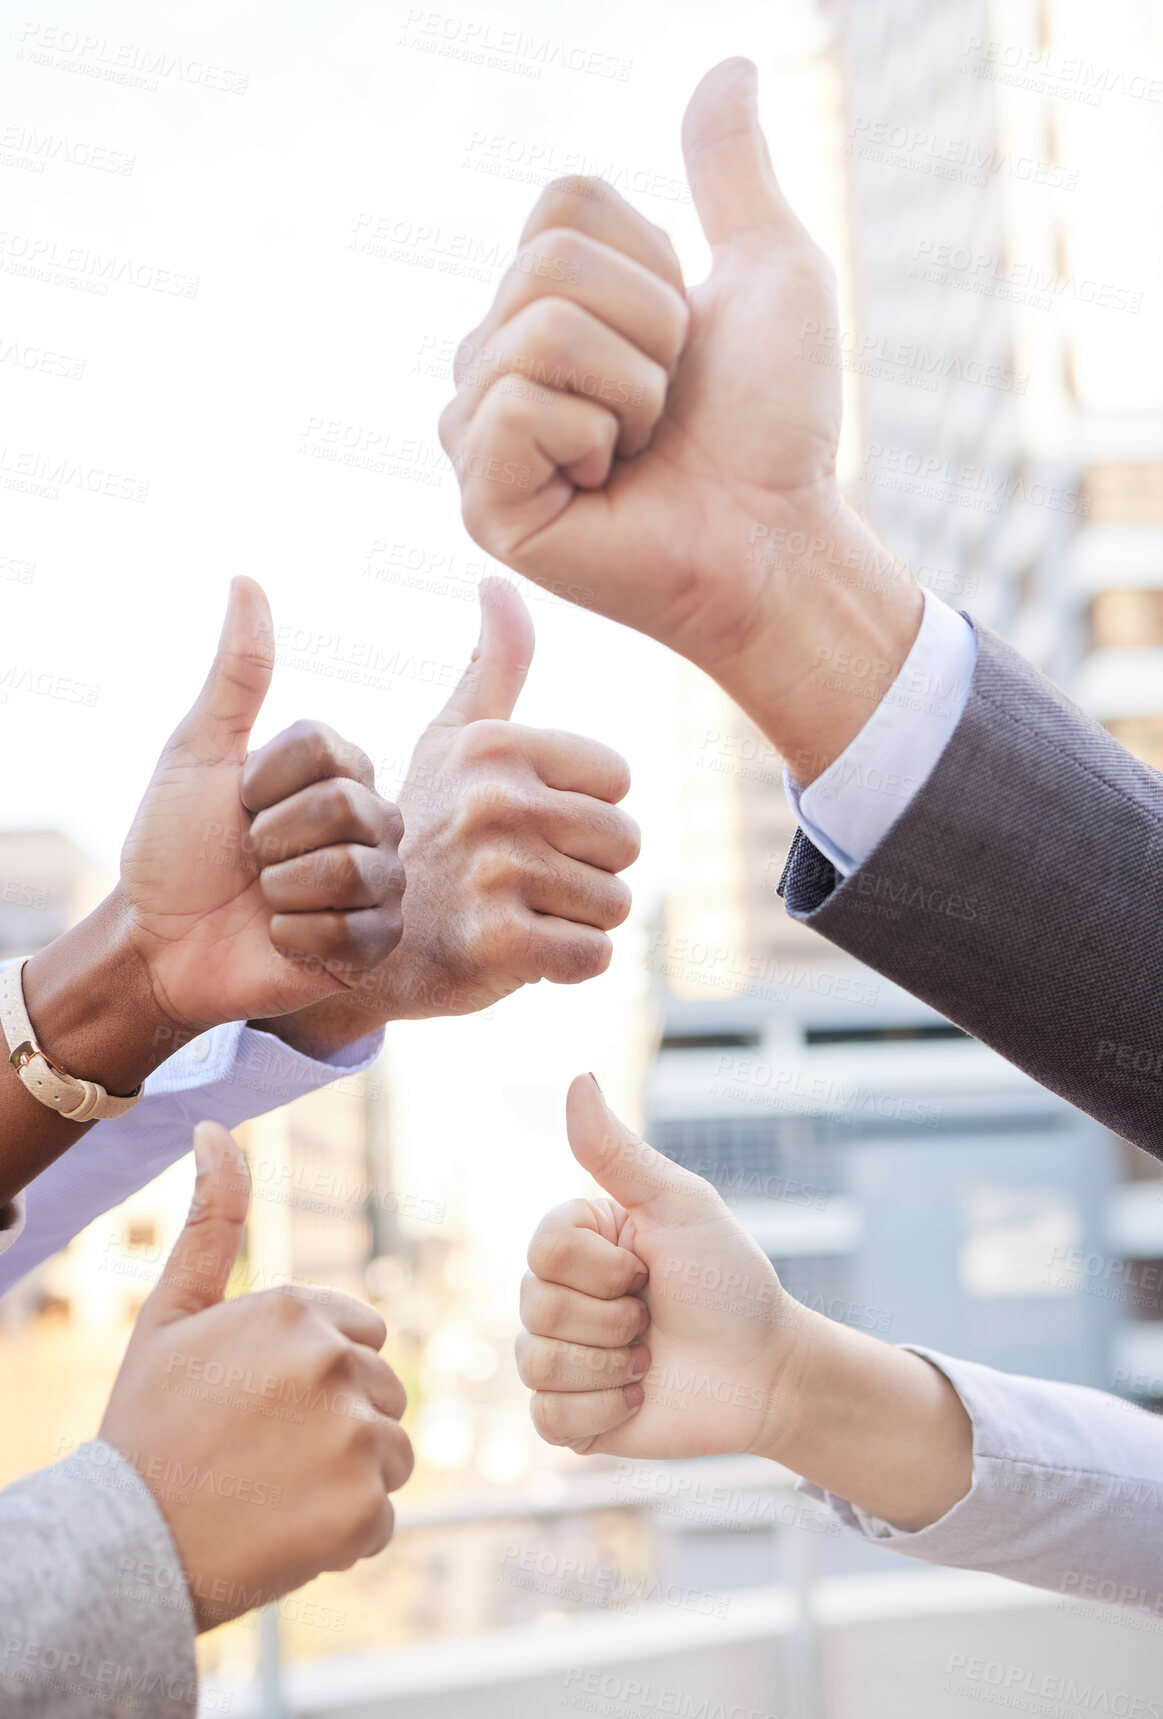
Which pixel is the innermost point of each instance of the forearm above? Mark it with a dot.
(838, 618)
(92, 1008)
(873, 1424)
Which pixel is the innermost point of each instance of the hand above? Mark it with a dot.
(613, 431)
(655, 1326)
(513, 839)
(512, 845)
(281, 1400)
(236, 919)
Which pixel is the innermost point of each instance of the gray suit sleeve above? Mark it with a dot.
(95, 1615)
(1020, 893)
(1067, 1491)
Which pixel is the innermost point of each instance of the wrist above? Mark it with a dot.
(871, 1423)
(785, 1424)
(836, 618)
(93, 1006)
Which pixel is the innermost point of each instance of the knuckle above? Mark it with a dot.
(507, 413)
(343, 869)
(498, 801)
(445, 425)
(337, 937)
(627, 1317)
(361, 764)
(285, 1309)
(363, 1438)
(493, 875)
(387, 1525)
(335, 1353)
(484, 740)
(619, 901)
(547, 1411)
(549, 1254)
(555, 323)
(544, 1309)
(317, 741)
(627, 841)
(560, 201)
(393, 822)
(340, 798)
(524, 1353)
(617, 776)
(378, 1522)
(563, 244)
(394, 1390)
(399, 1456)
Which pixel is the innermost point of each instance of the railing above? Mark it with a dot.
(742, 1479)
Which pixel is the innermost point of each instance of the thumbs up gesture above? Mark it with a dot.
(253, 885)
(513, 842)
(653, 428)
(673, 450)
(267, 1427)
(655, 1326)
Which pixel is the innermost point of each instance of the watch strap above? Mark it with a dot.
(76, 1100)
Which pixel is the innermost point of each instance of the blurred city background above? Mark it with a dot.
(337, 202)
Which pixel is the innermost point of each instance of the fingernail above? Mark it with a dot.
(635, 1395)
(639, 1360)
(598, 1084)
(639, 1283)
(645, 1320)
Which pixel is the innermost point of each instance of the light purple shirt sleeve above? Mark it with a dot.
(11, 1221)
(1067, 1491)
(847, 811)
(227, 1075)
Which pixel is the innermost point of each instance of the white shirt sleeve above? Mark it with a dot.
(1067, 1491)
(227, 1075)
(849, 810)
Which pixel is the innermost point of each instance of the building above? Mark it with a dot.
(896, 1172)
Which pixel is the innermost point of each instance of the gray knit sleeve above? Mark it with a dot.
(96, 1616)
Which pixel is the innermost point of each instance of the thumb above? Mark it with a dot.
(227, 707)
(632, 1172)
(732, 182)
(199, 1267)
(492, 682)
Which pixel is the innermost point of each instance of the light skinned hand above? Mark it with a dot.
(656, 1327)
(616, 430)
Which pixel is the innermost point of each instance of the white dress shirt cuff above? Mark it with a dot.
(848, 811)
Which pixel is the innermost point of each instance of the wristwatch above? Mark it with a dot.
(75, 1100)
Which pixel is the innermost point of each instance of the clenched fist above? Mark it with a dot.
(267, 1427)
(513, 843)
(255, 884)
(655, 1326)
(615, 430)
